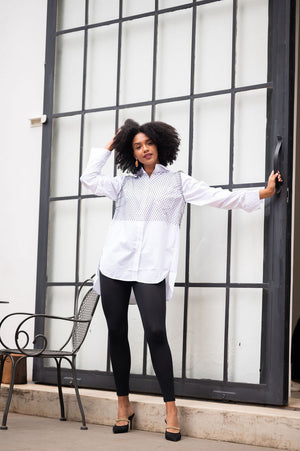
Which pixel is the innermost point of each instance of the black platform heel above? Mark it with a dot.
(125, 427)
(172, 436)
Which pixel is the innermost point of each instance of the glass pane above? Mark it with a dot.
(99, 128)
(102, 10)
(136, 339)
(59, 302)
(93, 353)
(174, 325)
(175, 314)
(71, 14)
(174, 54)
(136, 61)
(132, 7)
(212, 140)
(205, 333)
(139, 114)
(62, 241)
(250, 137)
(252, 42)
(247, 254)
(68, 67)
(96, 216)
(180, 277)
(162, 4)
(213, 46)
(208, 244)
(177, 114)
(102, 66)
(245, 316)
(65, 156)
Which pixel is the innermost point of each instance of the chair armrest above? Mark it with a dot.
(19, 331)
(3, 323)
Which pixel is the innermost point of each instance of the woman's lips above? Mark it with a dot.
(147, 156)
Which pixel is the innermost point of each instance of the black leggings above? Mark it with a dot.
(151, 301)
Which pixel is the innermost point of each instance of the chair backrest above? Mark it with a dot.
(85, 312)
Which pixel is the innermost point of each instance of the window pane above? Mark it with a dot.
(177, 115)
(245, 315)
(93, 354)
(139, 114)
(174, 54)
(102, 66)
(174, 325)
(175, 314)
(212, 139)
(209, 244)
(205, 333)
(62, 241)
(162, 4)
(68, 72)
(71, 14)
(247, 254)
(59, 302)
(180, 277)
(250, 137)
(132, 7)
(102, 10)
(213, 46)
(136, 339)
(99, 128)
(136, 61)
(65, 156)
(96, 216)
(252, 42)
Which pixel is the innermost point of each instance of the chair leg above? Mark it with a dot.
(2, 360)
(10, 392)
(73, 365)
(60, 393)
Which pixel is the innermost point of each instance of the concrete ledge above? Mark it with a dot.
(253, 425)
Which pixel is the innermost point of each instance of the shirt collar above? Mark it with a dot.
(159, 168)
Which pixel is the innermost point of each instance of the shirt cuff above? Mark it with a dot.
(97, 152)
(253, 201)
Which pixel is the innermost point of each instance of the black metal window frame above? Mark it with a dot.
(279, 78)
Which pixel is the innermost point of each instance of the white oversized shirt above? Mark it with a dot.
(143, 239)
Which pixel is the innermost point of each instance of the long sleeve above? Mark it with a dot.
(96, 182)
(199, 193)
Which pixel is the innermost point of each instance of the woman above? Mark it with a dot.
(141, 249)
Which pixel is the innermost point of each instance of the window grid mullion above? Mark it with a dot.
(80, 155)
(188, 221)
(229, 223)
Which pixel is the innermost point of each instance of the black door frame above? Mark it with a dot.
(273, 388)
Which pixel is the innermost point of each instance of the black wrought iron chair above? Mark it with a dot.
(85, 305)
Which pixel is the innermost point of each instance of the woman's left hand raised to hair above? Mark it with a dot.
(270, 190)
(110, 144)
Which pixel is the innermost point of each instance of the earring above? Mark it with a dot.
(136, 163)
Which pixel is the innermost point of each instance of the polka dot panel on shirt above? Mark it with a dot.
(155, 198)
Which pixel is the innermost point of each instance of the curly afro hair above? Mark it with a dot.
(163, 135)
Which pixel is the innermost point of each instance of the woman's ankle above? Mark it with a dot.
(171, 413)
(124, 407)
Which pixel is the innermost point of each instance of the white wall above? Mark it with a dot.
(22, 53)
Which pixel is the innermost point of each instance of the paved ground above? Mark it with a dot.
(29, 433)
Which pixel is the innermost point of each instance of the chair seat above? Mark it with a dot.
(33, 352)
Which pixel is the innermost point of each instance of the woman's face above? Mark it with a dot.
(144, 150)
